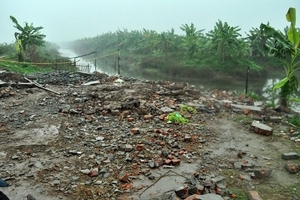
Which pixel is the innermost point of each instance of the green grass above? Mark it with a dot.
(22, 68)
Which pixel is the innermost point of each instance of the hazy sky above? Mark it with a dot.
(65, 20)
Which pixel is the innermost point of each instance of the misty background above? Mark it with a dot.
(67, 20)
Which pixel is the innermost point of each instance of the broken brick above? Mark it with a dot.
(292, 168)
(175, 162)
(123, 177)
(140, 147)
(146, 117)
(135, 131)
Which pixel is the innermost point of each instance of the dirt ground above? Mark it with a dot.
(51, 144)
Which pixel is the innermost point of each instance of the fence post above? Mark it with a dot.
(95, 64)
(246, 89)
(118, 61)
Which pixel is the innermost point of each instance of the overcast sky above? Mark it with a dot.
(66, 20)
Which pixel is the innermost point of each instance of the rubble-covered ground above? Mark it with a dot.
(91, 136)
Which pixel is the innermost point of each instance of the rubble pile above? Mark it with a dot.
(95, 141)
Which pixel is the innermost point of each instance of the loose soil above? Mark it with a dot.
(47, 140)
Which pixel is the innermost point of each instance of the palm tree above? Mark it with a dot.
(29, 36)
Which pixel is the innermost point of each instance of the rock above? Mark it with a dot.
(182, 192)
(30, 197)
(290, 156)
(128, 148)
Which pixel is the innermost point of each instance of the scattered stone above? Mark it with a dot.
(128, 148)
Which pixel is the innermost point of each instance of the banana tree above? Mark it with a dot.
(286, 48)
(191, 41)
(26, 37)
(225, 40)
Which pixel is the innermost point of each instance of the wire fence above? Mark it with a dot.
(57, 64)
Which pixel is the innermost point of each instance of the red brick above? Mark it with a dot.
(140, 147)
(176, 162)
(148, 116)
(135, 131)
(192, 197)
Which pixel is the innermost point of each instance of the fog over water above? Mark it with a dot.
(66, 20)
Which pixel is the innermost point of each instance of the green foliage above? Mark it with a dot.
(6, 49)
(175, 117)
(27, 37)
(22, 68)
(286, 48)
(253, 96)
(194, 53)
(225, 40)
(187, 109)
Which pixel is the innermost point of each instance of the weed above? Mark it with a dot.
(253, 96)
(175, 117)
(295, 121)
(187, 109)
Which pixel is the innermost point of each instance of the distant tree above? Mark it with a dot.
(28, 37)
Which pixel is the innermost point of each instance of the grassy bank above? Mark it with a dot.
(23, 68)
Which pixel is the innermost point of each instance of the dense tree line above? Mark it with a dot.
(194, 53)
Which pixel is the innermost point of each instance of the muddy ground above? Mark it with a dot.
(110, 139)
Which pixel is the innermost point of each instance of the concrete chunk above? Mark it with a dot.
(242, 107)
(261, 128)
(290, 156)
(253, 195)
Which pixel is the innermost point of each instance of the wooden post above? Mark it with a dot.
(95, 63)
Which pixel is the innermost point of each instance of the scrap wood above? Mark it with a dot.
(40, 86)
(165, 174)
